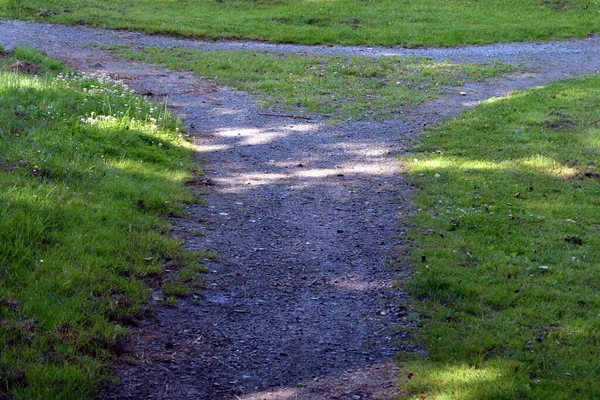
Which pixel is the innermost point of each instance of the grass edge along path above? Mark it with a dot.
(507, 239)
(88, 174)
(337, 87)
(369, 22)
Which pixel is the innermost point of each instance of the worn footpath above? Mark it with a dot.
(306, 218)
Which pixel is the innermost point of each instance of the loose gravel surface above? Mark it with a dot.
(306, 218)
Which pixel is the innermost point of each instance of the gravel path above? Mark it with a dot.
(304, 217)
(508, 52)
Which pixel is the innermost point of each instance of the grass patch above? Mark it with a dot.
(382, 22)
(334, 86)
(88, 173)
(508, 239)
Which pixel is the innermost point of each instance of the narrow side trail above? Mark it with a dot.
(304, 217)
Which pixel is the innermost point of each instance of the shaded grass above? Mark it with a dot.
(383, 22)
(334, 86)
(88, 173)
(508, 239)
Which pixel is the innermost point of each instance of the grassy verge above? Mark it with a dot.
(337, 87)
(508, 232)
(382, 22)
(88, 173)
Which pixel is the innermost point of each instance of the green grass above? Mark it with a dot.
(88, 173)
(507, 239)
(337, 87)
(382, 22)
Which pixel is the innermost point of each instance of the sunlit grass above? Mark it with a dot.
(465, 382)
(88, 174)
(383, 22)
(336, 87)
(507, 249)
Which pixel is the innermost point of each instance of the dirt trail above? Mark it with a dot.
(305, 219)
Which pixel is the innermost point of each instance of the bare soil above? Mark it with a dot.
(307, 219)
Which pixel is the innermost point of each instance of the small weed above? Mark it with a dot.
(208, 255)
(171, 301)
(174, 289)
(184, 274)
